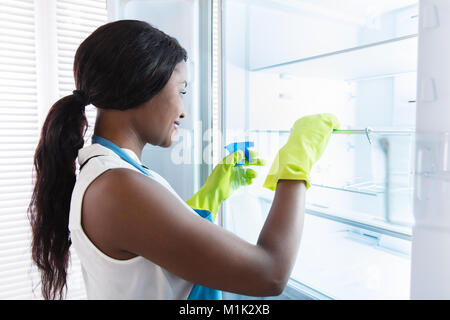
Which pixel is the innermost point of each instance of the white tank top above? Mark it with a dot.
(104, 276)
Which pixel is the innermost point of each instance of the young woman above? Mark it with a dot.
(135, 237)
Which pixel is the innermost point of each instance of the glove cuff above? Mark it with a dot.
(272, 179)
(288, 167)
(204, 201)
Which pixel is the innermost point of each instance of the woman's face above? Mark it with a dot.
(158, 119)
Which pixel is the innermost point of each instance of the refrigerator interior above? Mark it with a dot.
(284, 59)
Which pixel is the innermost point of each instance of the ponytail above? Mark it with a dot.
(62, 136)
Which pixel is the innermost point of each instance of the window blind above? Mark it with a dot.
(19, 127)
(18, 137)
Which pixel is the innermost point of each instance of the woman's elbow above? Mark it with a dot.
(274, 276)
(264, 286)
(275, 286)
(272, 291)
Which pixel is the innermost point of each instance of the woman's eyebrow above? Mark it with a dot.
(185, 83)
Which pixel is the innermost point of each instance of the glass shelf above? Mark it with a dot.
(374, 178)
(368, 132)
(332, 245)
(366, 173)
(350, 218)
(368, 188)
(380, 103)
(386, 57)
(291, 31)
(349, 263)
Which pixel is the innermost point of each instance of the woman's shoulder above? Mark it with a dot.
(110, 204)
(117, 186)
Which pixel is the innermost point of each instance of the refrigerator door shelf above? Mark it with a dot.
(433, 155)
(432, 179)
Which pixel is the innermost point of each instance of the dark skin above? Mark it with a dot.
(126, 214)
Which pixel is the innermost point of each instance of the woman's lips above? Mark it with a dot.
(176, 125)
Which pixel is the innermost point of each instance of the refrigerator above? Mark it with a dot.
(377, 222)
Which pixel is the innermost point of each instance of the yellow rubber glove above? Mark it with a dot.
(307, 141)
(223, 180)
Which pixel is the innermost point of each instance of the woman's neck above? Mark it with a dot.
(114, 126)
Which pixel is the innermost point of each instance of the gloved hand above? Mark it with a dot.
(307, 141)
(223, 180)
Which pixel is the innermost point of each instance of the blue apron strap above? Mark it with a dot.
(116, 149)
(204, 214)
(203, 293)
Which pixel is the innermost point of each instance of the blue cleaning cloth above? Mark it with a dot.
(235, 146)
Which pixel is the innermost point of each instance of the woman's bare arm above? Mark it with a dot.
(282, 231)
(126, 211)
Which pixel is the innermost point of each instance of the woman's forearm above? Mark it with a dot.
(282, 230)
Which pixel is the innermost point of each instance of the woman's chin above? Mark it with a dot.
(166, 144)
(170, 139)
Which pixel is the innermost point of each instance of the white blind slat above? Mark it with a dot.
(77, 25)
(21, 4)
(17, 19)
(11, 232)
(17, 133)
(8, 23)
(16, 112)
(19, 61)
(29, 69)
(17, 47)
(81, 9)
(14, 76)
(21, 188)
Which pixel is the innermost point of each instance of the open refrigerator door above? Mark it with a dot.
(430, 269)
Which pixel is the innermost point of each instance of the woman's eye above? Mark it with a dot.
(183, 92)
